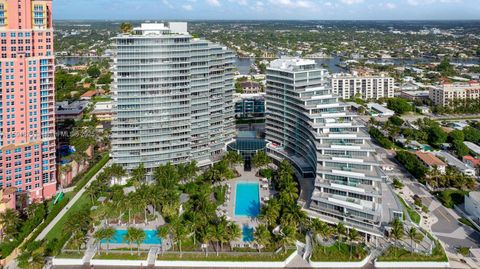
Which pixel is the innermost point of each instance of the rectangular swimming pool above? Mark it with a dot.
(247, 234)
(247, 199)
(151, 238)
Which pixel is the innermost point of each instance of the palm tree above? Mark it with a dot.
(9, 221)
(352, 237)
(126, 27)
(109, 234)
(412, 234)
(207, 235)
(321, 228)
(180, 233)
(219, 233)
(233, 158)
(213, 175)
(289, 235)
(341, 230)
(233, 231)
(270, 212)
(260, 159)
(130, 237)
(262, 236)
(138, 235)
(99, 236)
(117, 172)
(78, 239)
(138, 175)
(397, 231)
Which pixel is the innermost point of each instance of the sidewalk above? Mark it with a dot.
(77, 196)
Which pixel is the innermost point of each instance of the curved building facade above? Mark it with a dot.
(172, 97)
(310, 127)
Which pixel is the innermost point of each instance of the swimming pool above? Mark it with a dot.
(151, 237)
(247, 199)
(247, 234)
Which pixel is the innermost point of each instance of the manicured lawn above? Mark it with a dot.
(83, 202)
(212, 256)
(57, 231)
(411, 212)
(122, 256)
(394, 254)
(102, 98)
(339, 252)
(70, 255)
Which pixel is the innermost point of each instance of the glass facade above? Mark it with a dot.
(309, 126)
(172, 98)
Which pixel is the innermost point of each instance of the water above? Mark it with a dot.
(247, 200)
(151, 238)
(247, 233)
(332, 64)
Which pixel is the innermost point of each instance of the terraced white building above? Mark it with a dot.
(307, 125)
(172, 97)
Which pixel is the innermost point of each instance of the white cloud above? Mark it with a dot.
(167, 3)
(390, 5)
(215, 3)
(428, 2)
(351, 2)
(239, 2)
(293, 3)
(187, 7)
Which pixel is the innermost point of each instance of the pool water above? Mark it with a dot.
(247, 234)
(247, 199)
(151, 237)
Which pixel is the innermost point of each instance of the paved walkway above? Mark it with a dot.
(62, 213)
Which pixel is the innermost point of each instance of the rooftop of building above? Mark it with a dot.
(429, 159)
(475, 195)
(460, 85)
(293, 64)
(473, 147)
(67, 108)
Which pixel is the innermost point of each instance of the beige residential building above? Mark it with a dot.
(447, 92)
(348, 86)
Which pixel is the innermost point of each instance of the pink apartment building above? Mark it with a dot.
(27, 108)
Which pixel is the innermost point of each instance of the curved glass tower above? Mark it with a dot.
(307, 125)
(172, 97)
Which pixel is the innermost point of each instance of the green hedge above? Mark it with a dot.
(91, 172)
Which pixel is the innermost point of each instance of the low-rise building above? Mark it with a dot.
(8, 199)
(457, 91)
(473, 147)
(103, 111)
(471, 161)
(70, 111)
(250, 87)
(415, 95)
(454, 162)
(379, 110)
(431, 161)
(472, 204)
(349, 86)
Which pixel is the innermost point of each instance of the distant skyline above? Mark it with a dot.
(268, 9)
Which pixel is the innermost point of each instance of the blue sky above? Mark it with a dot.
(267, 9)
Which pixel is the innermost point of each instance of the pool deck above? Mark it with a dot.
(245, 177)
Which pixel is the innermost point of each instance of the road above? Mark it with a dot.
(446, 225)
(69, 205)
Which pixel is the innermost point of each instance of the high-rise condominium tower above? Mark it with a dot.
(172, 97)
(307, 125)
(27, 111)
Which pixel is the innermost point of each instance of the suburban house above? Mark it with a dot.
(431, 161)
